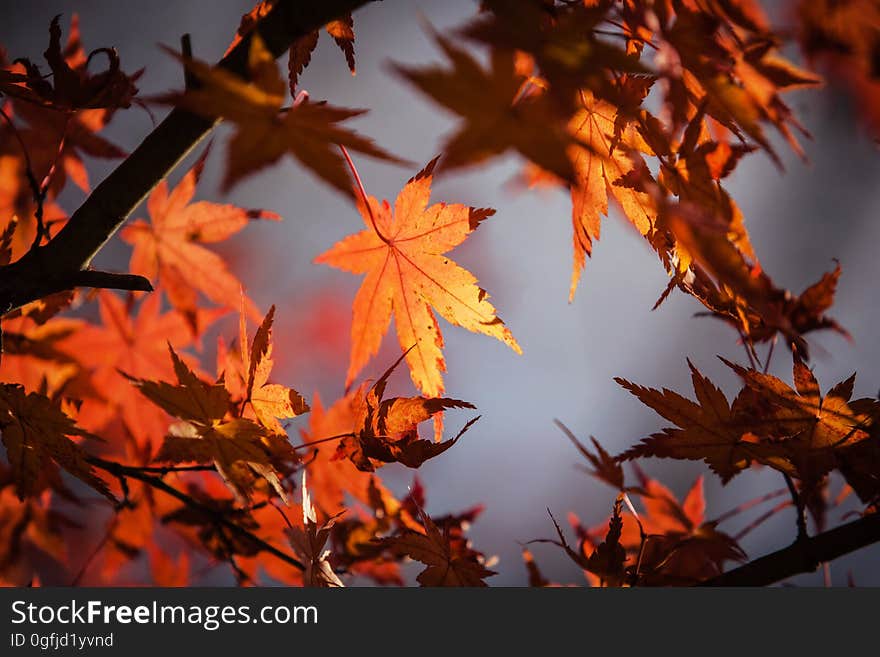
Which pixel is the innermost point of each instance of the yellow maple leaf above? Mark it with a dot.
(407, 274)
(602, 157)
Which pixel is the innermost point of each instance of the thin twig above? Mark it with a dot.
(798, 501)
(643, 537)
(283, 515)
(110, 280)
(42, 228)
(94, 553)
(164, 470)
(36, 188)
(745, 344)
(627, 37)
(745, 506)
(118, 469)
(769, 354)
(190, 81)
(760, 520)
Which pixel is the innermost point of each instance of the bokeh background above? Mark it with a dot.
(514, 461)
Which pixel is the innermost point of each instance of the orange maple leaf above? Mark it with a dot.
(819, 432)
(308, 542)
(387, 429)
(602, 158)
(407, 273)
(269, 401)
(682, 546)
(308, 131)
(497, 116)
(710, 429)
(238, 447)
(447, 564)
(168, 248)
(73, 85)
(30, 355)
(35, 431)
(135, 344)
(341, 29)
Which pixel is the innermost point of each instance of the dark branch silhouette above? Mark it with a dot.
(59, 265)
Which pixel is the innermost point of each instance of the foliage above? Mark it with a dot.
(646, 106)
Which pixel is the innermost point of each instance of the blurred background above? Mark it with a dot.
(514, 461)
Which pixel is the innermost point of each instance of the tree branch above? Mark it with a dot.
(110, 280)
(121, 471)
(803, 556)
(55, 266)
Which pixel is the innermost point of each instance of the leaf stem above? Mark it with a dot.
(324, 440)
(769, 354)
(363, 192)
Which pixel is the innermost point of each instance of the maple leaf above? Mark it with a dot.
(741, 291)
(31, 356)
(238, 447)
(710, 429)
(167, 248)
(606, 562)
(31, 532)
(265, 132)
(497, 118)
(814, 427)
(342, 31)
(607, 156)
(72, 87)
(269, 401)
(167, 570)
(681, 546)
(308, 542)
(134, 344)
(407, 273)
(57, 139)
(446, 565)
(694, 174)
(735, 70)
(841, 37)
(605, 467)
(387, 429)
(560, 39)
(36, 432)
(300, 54)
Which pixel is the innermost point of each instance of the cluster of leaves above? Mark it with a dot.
(187, 459)
(200, 465)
